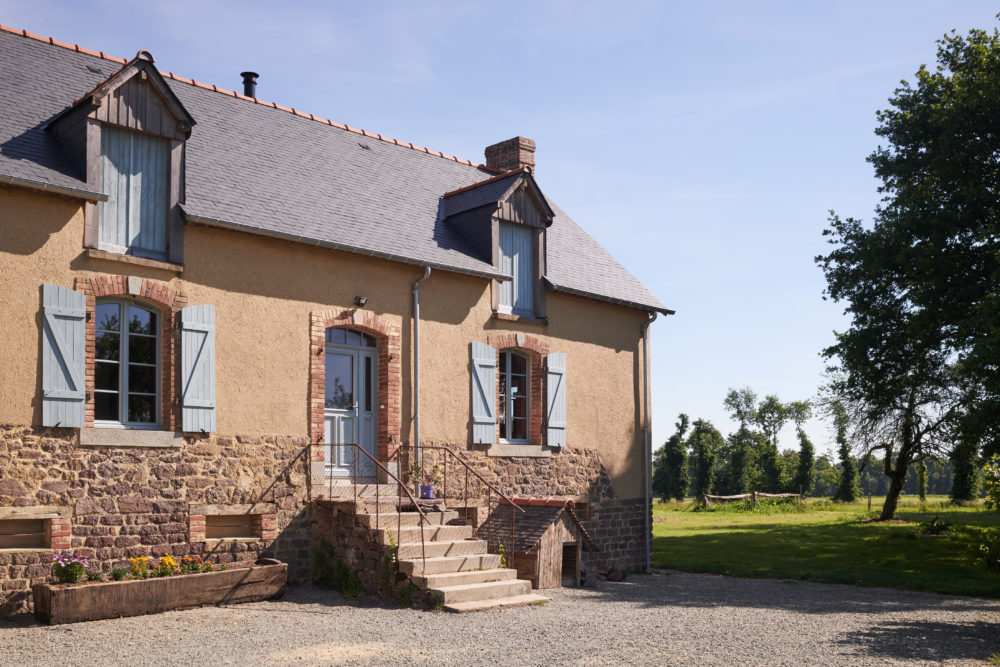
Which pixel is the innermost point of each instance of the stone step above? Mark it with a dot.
(444, 579)
(432, 533)
(405, 519)
(496, 603)
(409, 550)
(441, 565)
(487, 590)
(346, 489)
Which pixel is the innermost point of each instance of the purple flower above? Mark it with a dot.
(69, 559)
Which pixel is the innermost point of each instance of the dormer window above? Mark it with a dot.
(135, 174)
(517, 259)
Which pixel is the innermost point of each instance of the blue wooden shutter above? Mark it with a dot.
(135, 173)
(64, 356)
(555, 400)
(484, 401)
(517, 258)
(198, 369)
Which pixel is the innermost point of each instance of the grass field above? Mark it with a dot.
(828, 542)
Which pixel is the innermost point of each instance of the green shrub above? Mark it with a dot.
(69, 568)
(935, 526)
(987, 553)
(119, 573)
(991, 482)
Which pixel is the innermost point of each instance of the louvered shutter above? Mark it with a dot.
(198, 369)
(64, 356)
(555, 400)
(484, 401)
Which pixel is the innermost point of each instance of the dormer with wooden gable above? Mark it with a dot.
(505, 218)
(127, 136)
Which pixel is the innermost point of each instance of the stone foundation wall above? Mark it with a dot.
(128, 502)
(617, 525)
(348, 554)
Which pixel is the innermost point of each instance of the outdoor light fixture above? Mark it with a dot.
(360, 301)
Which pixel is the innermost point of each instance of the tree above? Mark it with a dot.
(922, 480)
(847, 490)
(741, 470)
(964, 459)
(670, 466)
(705, 442)
(940, 173)
(799, 412)
(918, 363)
(742, 405)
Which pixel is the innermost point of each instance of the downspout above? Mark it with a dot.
(648, 448)
(416, 362)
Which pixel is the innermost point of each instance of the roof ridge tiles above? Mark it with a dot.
(232, 93)
(491, 179)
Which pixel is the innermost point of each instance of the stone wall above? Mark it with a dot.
(128, 502)
(616, 525)
(348, 554)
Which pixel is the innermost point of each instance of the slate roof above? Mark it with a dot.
(267, 169)
(530, 525)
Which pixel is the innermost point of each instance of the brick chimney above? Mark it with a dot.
(511, 154)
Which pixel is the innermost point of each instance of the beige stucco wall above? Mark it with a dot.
(264, 291)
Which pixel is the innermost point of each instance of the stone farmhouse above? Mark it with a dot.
(220, 313)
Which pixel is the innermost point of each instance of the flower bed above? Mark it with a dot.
(163, 588)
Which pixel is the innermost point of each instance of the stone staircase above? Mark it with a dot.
(458, 571)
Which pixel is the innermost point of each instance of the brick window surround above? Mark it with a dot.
(168, 303)
(535, 350)
(387, 336)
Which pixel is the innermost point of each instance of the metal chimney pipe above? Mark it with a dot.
(249, 83)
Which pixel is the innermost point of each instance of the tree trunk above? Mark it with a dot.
(896, 481)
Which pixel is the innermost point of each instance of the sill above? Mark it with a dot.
(27, 550)
(125, 437)
(511, 450)
(521, 319)
(36, 512)
(214, 542)
(232, 510)
(94, 253)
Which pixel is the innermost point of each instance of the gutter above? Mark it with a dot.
(647, 458)
(416, 362)
(609, 299)
(295, 238)
(42, 186)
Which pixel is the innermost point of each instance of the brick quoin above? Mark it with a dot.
(167, 302)
(535, 349)
(387, 336)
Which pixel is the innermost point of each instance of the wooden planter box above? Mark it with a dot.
(56, 604)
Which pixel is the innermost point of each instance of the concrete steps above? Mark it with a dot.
(458, 571)
(416, 566)
(433, 533)
(496, 603)
(445, 579)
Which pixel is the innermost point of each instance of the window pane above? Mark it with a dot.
(368, 341)
(339, 381)
(518, 385)
(520, 408)
(141, 321)
(353, 338)
(141, 409)
(107, 346)
(335, 336)
(107, 317)
(105, 376)
(518, 364)
(142, 379)
(142, 349)
(519, 430)
(106, 406)
(369, 384)
(504, 362)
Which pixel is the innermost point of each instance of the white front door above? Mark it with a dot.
(350, 404)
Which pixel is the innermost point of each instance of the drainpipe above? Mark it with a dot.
(648, 445)
(416, 362)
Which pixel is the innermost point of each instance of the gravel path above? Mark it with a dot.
(672, 618)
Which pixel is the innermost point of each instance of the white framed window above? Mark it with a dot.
(517, 259)
(126, 365)
(514, 397)
(135, 174)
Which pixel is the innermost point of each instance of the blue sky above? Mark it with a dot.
(701, 143)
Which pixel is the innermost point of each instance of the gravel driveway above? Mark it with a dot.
(672, 618)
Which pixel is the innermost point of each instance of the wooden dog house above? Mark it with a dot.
(548, 540)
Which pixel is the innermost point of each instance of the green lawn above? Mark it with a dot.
(828, 543)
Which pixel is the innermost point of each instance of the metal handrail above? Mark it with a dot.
(489, 498)
(400, 487)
